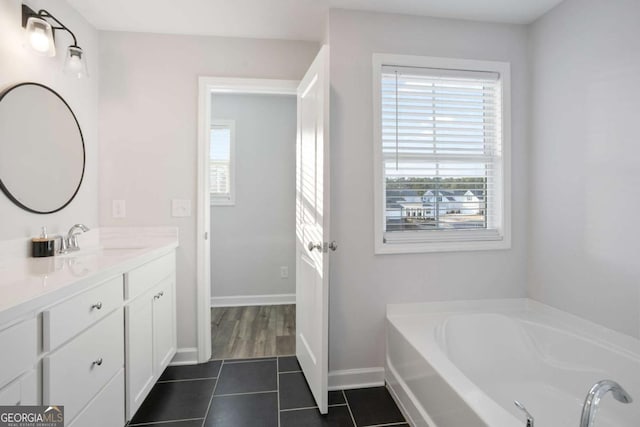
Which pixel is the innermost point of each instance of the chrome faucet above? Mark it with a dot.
(72, 236)
(592, 401)
(69, 242)
(527, 414)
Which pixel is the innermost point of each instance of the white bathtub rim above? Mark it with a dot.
(492, 413)
(465, 305)
(561, 329)
(579, 327)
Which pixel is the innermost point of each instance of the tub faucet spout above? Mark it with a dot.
(528, 415)
(592, 400)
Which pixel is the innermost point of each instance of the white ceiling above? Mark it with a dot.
(284, 19)
(507, 11)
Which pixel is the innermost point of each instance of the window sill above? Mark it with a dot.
(408, 246)
(223, 203)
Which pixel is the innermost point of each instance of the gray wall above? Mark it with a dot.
(148, 128)
(251, 240)
(585, 179)
(19, 64)
(363, 283)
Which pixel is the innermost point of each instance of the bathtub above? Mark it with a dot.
(463, 363)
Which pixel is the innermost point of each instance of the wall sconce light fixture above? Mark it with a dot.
(40, 35)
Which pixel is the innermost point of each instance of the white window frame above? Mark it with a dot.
(230, 200)
(441, 240)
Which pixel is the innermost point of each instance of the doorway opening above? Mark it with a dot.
(312, 216)
(249, 180)
(252, 190)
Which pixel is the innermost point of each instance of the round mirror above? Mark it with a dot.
(42, 153)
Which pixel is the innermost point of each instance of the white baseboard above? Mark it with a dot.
(338, 380)
(185, 356)
(356, 378)
(246, 300)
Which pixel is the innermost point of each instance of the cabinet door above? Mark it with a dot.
(139, 351)
(23, 391)
(164, 324)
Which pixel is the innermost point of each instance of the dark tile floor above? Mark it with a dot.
(268, 392)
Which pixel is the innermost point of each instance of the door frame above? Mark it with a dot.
(206, 87)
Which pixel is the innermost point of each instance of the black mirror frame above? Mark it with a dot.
(6, 191)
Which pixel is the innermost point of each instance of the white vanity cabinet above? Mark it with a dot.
(150, 319)
(97, 344)
(18, 362)
(21, 391)
(83, 340)
(106, 409)
(67, 319)
(80, 369)
(164, 324)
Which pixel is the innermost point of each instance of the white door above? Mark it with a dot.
(312, 227)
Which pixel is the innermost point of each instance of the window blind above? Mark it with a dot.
(220, 162)
(441, 148)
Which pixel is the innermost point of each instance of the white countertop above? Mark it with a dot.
(29, 284)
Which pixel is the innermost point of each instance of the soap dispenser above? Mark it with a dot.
(43, 246)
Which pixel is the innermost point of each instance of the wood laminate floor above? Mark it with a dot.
(255, 331)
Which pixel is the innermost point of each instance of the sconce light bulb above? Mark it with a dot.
(39, 40)
(39, 35)
(75, 63)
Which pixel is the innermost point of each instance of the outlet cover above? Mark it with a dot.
(180, 208)
(284, 272)
(118, 209)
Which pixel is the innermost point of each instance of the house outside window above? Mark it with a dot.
(222, 162)
(442, 135)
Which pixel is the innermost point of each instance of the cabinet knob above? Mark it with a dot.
(97, 362)
(158, 295)
(97, 305)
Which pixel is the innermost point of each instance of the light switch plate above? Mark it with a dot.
(180, 208)
(118, 209)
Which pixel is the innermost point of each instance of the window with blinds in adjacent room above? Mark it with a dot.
(441, 156)
(221, 162)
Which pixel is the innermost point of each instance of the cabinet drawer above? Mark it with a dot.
(20, 350)
(70, 317)
(11, 394)
(143, 278)
(107, 408)
(72, 375)
(23, 391)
